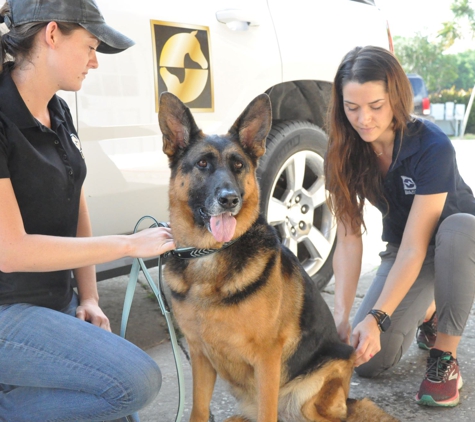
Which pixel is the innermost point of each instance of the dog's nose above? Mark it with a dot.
(228, 199)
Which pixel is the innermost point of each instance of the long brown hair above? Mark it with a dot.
(351, 167)
(16, 44)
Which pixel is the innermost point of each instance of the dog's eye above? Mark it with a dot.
(238, 165)
(202, 163)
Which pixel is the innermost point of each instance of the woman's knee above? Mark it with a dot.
(369, 369)
(462, 224)
(376, 366)
(151, 383)
(455, 253)
(137, 381)
(144, 382)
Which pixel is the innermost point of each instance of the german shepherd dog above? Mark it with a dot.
(249, 311)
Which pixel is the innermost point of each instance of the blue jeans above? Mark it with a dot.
(55, 367)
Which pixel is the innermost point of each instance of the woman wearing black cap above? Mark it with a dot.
(59, 361)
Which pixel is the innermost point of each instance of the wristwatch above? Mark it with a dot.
(382, 319)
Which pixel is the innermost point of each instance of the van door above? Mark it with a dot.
(314, 35)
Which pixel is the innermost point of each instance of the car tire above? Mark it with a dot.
(293, 195)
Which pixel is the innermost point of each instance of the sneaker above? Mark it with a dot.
(442, 381)
(427, 333)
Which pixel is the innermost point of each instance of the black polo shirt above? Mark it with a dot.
(47, 170)
(423, 164)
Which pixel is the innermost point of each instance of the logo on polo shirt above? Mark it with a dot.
(77, 142)
(409, 185)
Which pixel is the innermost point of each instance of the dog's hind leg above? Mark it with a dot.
(204, 378)
(332, 385)
(329, 404)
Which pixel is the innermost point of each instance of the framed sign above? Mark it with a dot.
(183, 64)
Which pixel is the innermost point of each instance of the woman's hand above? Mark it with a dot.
(366, 339)
(343, 329)
(90, 311)
(152, 242)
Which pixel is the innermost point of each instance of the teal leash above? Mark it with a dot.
(137, 265)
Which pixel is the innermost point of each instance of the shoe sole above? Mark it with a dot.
(429, 401)
(426, 400)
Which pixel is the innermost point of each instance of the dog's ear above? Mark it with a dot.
(176, 123)
(253, 125)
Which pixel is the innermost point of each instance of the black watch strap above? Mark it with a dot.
(382, 319)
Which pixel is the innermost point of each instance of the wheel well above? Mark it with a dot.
(300, 100)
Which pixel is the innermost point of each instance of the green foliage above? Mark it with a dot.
(449, 33)
(452, 30)
(465, 70)
(458, 96)
(419, 55)
(461, 8)
(449, 77)
(440, 71)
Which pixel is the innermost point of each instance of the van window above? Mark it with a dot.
(418, 87)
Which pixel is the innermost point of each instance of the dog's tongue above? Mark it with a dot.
(223, 226)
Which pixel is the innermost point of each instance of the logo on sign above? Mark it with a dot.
(183, 64)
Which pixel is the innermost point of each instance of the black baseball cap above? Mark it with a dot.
(83, 12)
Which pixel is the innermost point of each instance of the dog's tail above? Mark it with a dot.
(366, 411)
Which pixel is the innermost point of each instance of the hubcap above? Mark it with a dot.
(298, 210)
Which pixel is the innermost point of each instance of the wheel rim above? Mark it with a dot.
(297, 209)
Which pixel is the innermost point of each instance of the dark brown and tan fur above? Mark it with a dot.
(249, 312)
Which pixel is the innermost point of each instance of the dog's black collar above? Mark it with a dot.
(187, 253)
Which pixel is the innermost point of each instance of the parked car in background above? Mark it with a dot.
(216, 56)
(421, 96)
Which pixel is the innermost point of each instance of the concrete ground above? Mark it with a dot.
(394, 391)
